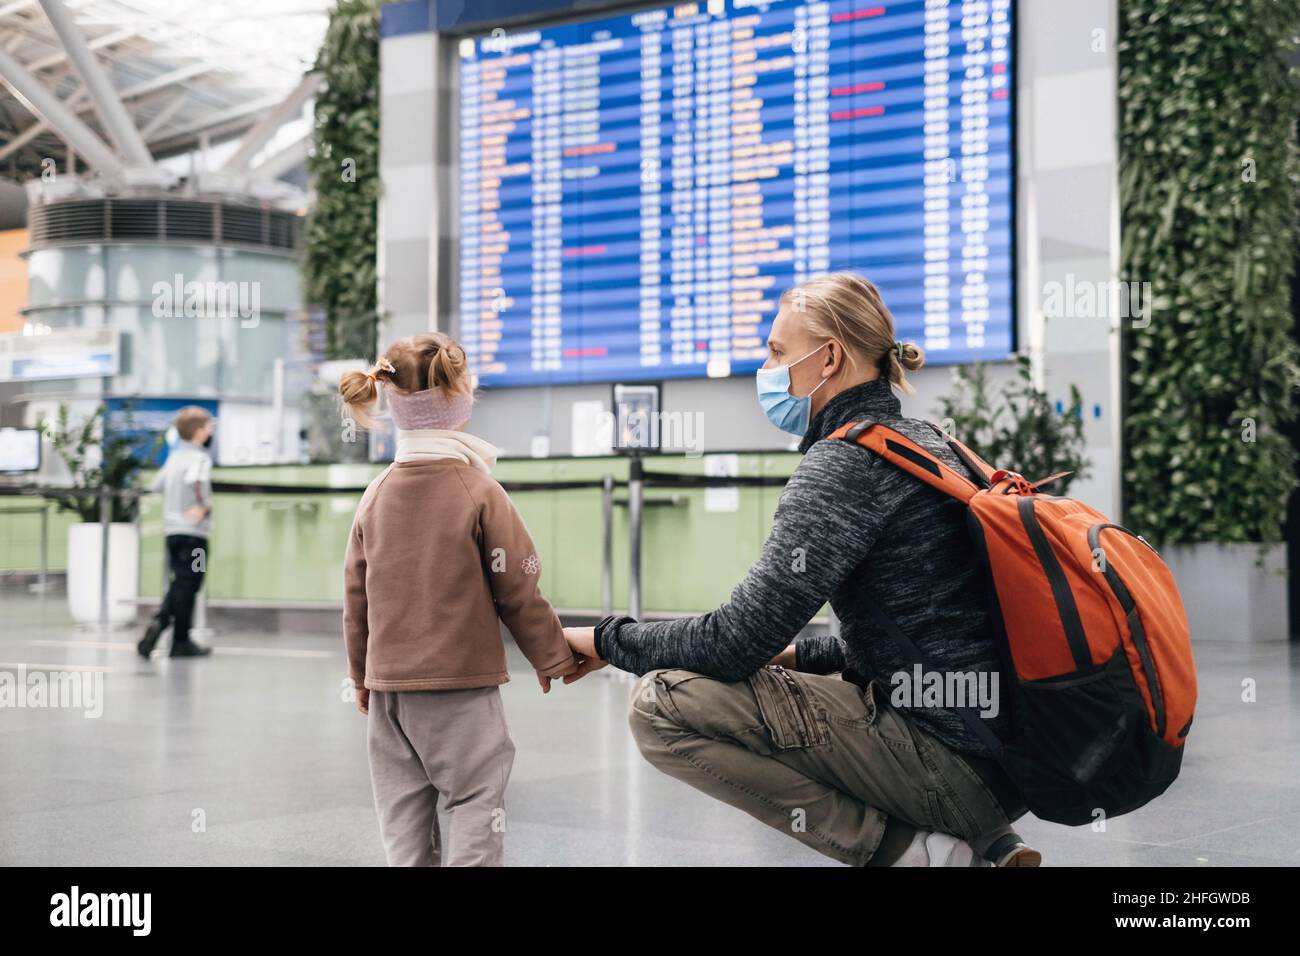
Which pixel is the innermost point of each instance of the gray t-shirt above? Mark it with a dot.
(185, 481)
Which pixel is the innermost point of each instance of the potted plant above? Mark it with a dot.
(1017, 429)
(97, 463)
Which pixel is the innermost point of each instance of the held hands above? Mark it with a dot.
(545, 680)
(582, 642)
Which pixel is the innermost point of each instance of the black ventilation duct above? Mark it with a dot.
(80, 221)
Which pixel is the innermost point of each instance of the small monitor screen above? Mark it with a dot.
(20, 450)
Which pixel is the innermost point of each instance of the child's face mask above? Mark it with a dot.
(429, 408)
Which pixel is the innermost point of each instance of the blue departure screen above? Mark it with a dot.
(637, 191)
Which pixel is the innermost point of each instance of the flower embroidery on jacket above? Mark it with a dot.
(531, 564)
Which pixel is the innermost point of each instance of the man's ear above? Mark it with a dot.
(834, 359)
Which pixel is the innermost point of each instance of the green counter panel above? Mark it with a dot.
(20, 534)
(289, 548)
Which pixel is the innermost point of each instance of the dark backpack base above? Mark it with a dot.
(1091, 743)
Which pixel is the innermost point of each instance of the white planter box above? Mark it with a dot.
(1228, 594)
(84, 572)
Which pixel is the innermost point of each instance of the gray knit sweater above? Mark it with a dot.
(847, 521)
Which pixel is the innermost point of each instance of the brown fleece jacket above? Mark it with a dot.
(437, 554)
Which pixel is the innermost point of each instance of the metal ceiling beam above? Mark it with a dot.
(266, 127)
(37, 128)
(164, 80)
(23, 138)
(157, 84)
(47, 106)
(112, 114)
(165, 114)
(98, 43)
(19, 37)
(280, 162)
(79, 102)
(16, 7)
(221, 117)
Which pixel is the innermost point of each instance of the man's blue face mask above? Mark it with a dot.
(785, 411)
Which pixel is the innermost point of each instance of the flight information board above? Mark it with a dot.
(637, 191)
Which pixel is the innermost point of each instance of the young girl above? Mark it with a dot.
(436, 555)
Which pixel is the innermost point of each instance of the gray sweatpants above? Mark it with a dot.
(449, 743)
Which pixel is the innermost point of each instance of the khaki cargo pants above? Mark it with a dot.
(813, 756)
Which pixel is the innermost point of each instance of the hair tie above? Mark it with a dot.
(383, 365)
(898, 347)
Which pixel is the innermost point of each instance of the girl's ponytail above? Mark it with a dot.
(447, 367)
(360, 391)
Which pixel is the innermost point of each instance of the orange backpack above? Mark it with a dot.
(1090, 632)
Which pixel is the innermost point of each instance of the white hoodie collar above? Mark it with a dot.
(424, 444)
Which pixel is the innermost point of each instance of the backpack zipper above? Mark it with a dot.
(1062, 596)
(1129, 607)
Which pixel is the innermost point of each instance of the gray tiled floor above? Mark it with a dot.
(258, 739)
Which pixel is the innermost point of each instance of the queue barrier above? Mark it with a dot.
(636, 502)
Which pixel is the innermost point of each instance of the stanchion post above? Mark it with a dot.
(635, 493)
(607, 546)
(105, 521)
(43, 581)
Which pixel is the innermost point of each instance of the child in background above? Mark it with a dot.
(185, 481)
(436, 555)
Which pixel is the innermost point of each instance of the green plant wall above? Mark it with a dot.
(1208, 191)
(339, 268)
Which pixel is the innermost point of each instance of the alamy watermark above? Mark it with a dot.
(131, 911)
(634, 427)
(208, 300)
(1091, 300)
(42, 689)
(919, 688)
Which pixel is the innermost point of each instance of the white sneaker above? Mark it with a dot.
(938, 849)
(946, 850)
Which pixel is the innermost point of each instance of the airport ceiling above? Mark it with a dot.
(184, 69)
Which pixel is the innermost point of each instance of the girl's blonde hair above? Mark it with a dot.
(848, 308)
(428, 360)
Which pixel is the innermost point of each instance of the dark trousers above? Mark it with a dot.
(187, 557)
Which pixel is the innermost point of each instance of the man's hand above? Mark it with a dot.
(582, 641)
(784, 659)
(363, 700)
(195, 513)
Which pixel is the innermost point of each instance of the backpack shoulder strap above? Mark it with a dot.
(906, 454)
(913, 653)
(980, 468)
